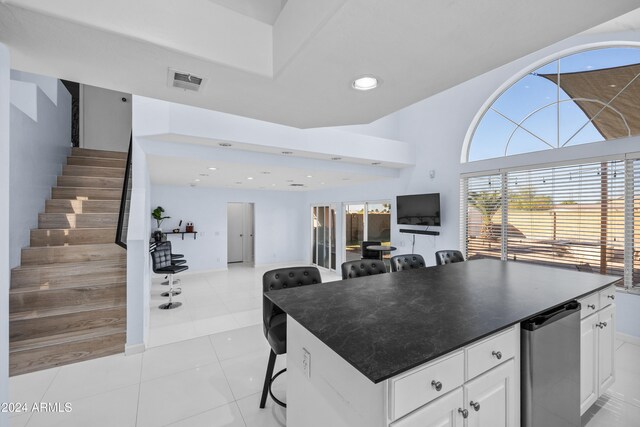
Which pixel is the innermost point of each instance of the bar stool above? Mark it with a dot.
(362, 267)
(407, 262)
(448, 257)
(161, 259)
(176, 259)
(275, 320)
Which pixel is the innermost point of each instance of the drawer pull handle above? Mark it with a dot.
(599, 325)
(611, 296)
(497, 354)
(464, 412)
(604, 324)
(591, 306)
(437, 385)
(475, 405)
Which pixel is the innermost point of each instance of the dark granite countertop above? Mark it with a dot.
(386, 324)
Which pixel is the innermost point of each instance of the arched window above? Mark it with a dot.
(585, 97)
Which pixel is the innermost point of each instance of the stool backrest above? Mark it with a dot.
(362, 267)
(448, 257)
(284, 278)
(407, 262)
(161, 257)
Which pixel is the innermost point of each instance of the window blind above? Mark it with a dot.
(483, 216)
(570, 216)
(635, 229)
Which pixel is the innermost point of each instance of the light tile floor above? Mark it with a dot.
(214, 379)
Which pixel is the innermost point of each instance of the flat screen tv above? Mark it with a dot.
(418, 209)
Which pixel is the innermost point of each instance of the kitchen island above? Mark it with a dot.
(381, 350)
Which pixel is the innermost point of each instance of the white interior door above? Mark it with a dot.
(248, 232)
(235, 234)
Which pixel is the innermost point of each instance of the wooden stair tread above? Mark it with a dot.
(64, 338)
(90, 152)
(31, 289)
(40, 314)
(63, 254)
(71, 265)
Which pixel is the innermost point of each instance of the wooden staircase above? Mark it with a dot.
(67, 300)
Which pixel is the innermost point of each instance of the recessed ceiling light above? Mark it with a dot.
(309, 176)
(212, 169)
(196, 180)
(225, 144)
(336, 158)
(273, 185)
(375, 163)
(249, 177)
(366, 82)
(612, 85)
(322, 183)
(287, 152)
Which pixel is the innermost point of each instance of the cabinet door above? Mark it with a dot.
(493, 397)
(606, 348)
(442, 412)
(588, 362)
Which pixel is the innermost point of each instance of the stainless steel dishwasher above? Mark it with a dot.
(550, 368)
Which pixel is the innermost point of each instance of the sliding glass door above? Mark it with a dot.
(323, 239)
(363, 222)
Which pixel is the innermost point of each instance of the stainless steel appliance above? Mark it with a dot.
(550, 368)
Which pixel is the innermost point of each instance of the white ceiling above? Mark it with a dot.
(297, 71)
(185, 171)
(266, 11)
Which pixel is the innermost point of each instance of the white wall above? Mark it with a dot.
(279, 223)
(138, 276)
(106, 120)
(4, 224)
(40, 143)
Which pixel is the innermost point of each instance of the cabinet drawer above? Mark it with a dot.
(491, 352)
(419, 387)
(440, 412)
(590, 304)
(607, 296)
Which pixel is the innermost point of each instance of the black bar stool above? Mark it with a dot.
(275, 320)
(362, 267)
(448, 257)
(161, 259)
(406, 262)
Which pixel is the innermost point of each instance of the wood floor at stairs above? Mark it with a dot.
(67, 301)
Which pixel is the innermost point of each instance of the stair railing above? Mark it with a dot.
(125, 203)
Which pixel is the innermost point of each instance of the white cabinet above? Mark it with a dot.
(606, 347)
(588, 362)
(597, 347)
(443, 412)
(491, 398)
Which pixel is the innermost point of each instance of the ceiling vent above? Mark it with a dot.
(296, 185)
(185, 81)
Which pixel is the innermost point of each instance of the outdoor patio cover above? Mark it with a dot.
(619, 87)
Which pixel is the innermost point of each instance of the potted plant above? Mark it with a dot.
(157, 215)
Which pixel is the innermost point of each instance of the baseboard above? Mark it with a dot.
(131, 349)
(628, 338)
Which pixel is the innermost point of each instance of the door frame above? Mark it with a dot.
(245, 222)
(331, 206)
(365, 220)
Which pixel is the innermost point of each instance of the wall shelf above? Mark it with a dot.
(195, 233)
(428, 232)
